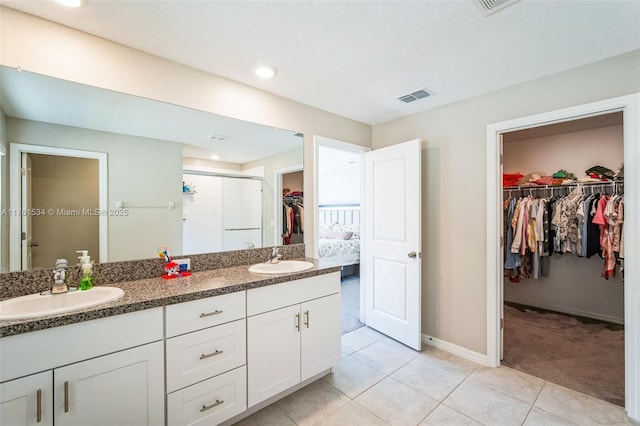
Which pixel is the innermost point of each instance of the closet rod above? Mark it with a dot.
(569, 185)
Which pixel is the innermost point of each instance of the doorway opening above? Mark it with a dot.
(63, 195)
(563, 307)
(501, 290)
(288, 195)
(339, 169)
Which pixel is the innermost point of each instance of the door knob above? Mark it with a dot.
(34, 245)
(413, 255)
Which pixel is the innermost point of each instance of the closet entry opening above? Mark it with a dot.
(292, 208)
(563, 254)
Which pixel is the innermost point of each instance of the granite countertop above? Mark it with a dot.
(155, 292)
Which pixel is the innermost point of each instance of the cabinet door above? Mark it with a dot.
(320, 335)
(273, 353)
(124, 388)
(27, 401)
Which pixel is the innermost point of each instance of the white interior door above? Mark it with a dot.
(27, 243)
(392, 242)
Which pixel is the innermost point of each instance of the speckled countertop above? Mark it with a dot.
(154, 292)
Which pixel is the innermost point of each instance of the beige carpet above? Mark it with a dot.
(581, 354)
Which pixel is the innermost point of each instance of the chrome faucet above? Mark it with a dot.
(275, 255)
(60, 277)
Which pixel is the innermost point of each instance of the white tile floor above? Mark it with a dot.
(381, 382)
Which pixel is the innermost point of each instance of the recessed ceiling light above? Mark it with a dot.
(266, 71)
(215, 157)
(70, 3)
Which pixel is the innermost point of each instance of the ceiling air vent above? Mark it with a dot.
(218, 138)
(420, 94)
(487, 7)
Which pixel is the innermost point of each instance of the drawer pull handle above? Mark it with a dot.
(306, 318)
(208, 407)
(66, 397)
(39, 405)
(217, 352)
(298, 322)
(208, 314)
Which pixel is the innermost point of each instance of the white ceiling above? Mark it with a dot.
(355, 58)
(41, 98)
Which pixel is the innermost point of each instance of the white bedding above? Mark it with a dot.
(340, 242)
(334, 247)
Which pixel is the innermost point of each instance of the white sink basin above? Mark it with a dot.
(282, 267)
(37, 305)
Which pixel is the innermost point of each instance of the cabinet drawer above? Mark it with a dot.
(202, 354)
(198, 314)
(210, 402)
(289, 293)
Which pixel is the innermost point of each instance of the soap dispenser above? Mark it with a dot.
(86, 266)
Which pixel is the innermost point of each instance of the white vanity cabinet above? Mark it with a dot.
(116, 389)
(27, 401)
(293, 334)
(206, 360)
(107, 371)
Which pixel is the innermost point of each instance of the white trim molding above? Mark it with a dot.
(630, 107)
(15, 224)
(460, 351)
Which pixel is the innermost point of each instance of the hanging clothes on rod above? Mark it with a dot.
(584, 219)
(292, 215)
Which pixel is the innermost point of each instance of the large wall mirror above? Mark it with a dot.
(91, 169)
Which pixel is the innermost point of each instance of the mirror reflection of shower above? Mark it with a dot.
(221, 212)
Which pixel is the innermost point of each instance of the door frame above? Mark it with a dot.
(319, 141)
(277, 199)
(630, 107)
(15, 195)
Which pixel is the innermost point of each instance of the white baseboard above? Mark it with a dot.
(570, 311)
(465, 353)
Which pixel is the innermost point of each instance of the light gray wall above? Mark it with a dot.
(454, 185)
(140, 171)
(31, 43)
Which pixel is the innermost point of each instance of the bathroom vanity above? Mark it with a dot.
(206, 349)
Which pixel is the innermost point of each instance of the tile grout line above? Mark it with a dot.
(534, 402)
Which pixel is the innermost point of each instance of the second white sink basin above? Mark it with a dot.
(37, 305)
(282, 267)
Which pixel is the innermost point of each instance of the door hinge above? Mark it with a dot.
(501, 323)
(23, 171)
(23, 236)
(501, 241)
(501, 159)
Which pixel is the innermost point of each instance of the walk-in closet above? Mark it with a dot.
(292, 208)
(563, 284)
